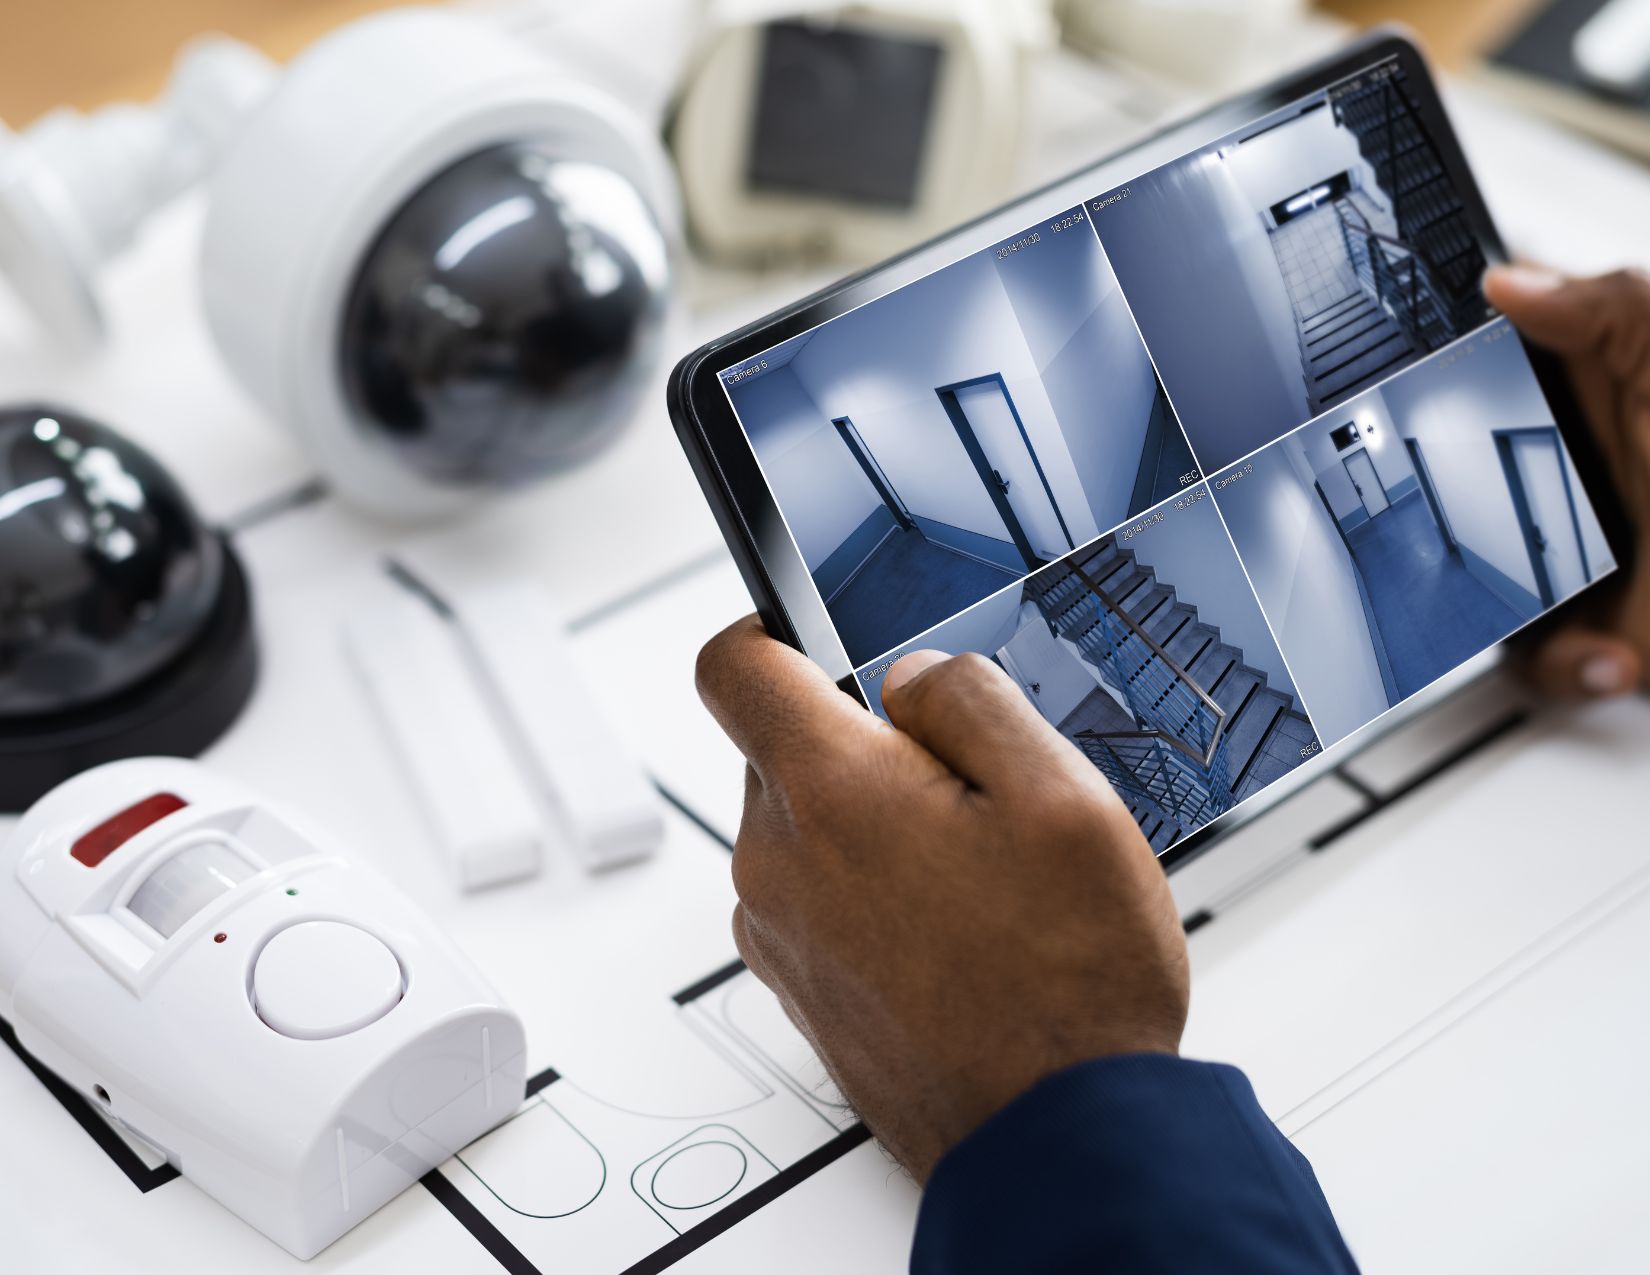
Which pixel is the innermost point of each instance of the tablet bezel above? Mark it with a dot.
(778, 579)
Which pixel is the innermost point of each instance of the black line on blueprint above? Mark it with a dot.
(475, 1222)
(309, 492)
(1357, 785)
(513, 1260)
(542, 1081)
(673, 575)
(1197, 920)
(1476, 744)
(709, 983)
(757, 1197)
(544, 1217)
(126, 1160)
(676, 1148)
(694, 817)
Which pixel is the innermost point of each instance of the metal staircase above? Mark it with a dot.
(1349, 345)
(1208, 729)
(1432, 223)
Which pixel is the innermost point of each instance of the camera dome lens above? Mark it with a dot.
(506, 318)
(105, 571)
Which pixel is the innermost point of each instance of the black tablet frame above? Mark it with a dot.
(773, 570)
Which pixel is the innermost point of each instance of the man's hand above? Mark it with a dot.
(1602, 328)
(950, 910)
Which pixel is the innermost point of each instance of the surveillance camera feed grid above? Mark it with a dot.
(1007, 456)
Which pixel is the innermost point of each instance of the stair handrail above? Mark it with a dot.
(1205, 758)
(1185, 798)
(1421, 275)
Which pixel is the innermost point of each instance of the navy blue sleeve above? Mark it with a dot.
(1142, 1163)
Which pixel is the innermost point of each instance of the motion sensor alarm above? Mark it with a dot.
(295, 1036)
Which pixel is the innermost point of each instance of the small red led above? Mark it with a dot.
(220, 937)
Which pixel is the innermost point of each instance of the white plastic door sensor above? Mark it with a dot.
(295, 1035)
(591, 783)
(484, 705)
(459, 768)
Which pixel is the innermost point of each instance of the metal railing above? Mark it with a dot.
(1143, 767)
(1177, 758)
(1398, 275)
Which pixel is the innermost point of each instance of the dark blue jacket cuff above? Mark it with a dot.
(1141, 1163)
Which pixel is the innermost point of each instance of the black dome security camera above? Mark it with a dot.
(125, 626)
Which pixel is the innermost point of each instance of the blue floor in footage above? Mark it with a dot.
(1433, 613)
(908, 585)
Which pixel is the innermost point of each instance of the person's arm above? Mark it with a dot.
(963, 919)
(1152, 1162)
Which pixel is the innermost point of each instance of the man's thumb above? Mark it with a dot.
(1559, 313)
(1583, 664)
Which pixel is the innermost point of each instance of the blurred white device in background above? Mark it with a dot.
(1214, 44)
(813, 128)
(292, 1032)
(1612, 47)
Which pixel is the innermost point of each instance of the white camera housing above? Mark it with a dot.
(75, 189)
(293, 1033)
(355, 125)
(971, 142)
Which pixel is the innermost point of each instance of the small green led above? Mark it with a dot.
(292, 891)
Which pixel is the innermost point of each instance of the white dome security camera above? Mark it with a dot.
(427, 252)
(439, 261)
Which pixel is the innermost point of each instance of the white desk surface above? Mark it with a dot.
(1443, 1008)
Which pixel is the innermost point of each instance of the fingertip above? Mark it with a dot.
(1520, 283)
(910, 667)
(1582, 665)
(1607, 673)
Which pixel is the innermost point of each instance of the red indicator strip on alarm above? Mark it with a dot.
(99, 843)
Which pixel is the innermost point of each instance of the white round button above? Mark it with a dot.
(319, 979)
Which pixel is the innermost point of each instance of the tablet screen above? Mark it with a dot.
(1219, 465)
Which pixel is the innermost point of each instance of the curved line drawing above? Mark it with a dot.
(659, 1115)
(687, 1138)
(706, 1031)
(810, 1097)
(744, 1168)
(546, 1217)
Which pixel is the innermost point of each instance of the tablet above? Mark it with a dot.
(1215, 448)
